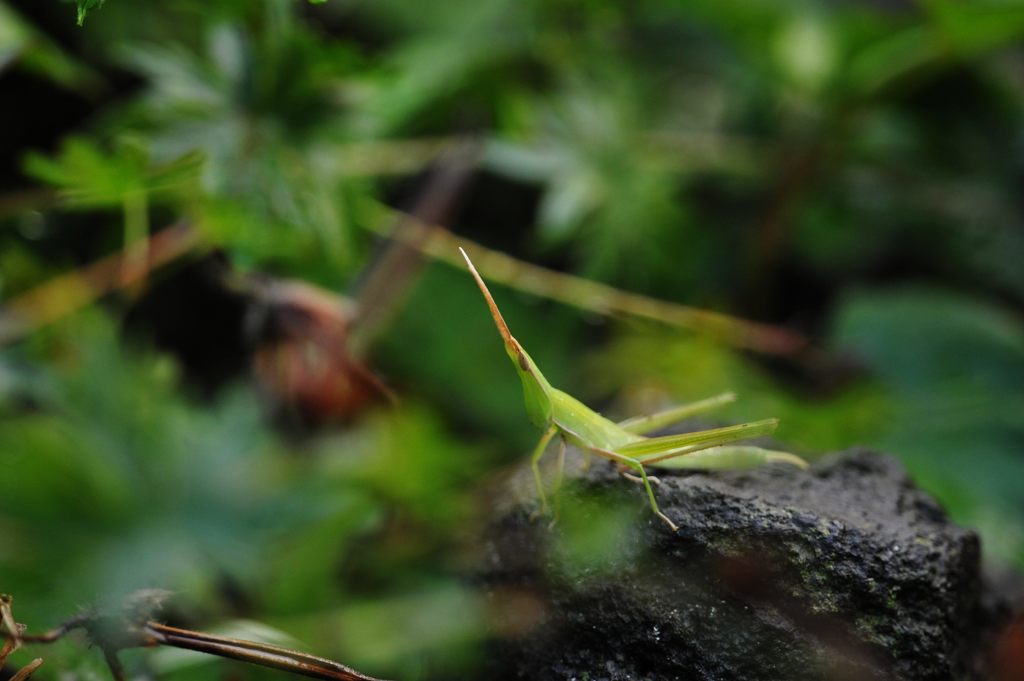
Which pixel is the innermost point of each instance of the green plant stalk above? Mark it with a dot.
(440, 244)
(136, 234)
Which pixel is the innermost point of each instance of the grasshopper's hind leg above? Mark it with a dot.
(538, 452)
(639, 468)
(641, 425)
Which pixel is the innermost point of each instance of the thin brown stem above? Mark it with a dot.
(10, 644)
(54, 634)
(12, 640)
(263, 654)
(7, 619)
(66, 293)
(154, 633)
(388, 280)
(28, 670)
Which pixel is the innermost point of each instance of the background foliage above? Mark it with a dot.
(850, 170)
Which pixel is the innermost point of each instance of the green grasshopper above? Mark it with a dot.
(625, 443)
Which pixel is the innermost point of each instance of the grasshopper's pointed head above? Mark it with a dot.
(536, 389)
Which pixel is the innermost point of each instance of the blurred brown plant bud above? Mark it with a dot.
(301, 361)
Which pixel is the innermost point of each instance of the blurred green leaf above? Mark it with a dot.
(806, 50)
(954, 367)
(23, 44)
(609, 188)
(406, 458)
(593, 538)
(977, 27)
(954, 31)
(89, 177)
(266, 113)
(137, 487)
(84, 6)
(445, 52)
(430, 632)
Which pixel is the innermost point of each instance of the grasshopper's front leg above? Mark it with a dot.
(538, 452)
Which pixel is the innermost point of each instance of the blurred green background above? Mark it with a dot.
(850, 171)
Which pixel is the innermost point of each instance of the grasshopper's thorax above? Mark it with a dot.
(536, 389)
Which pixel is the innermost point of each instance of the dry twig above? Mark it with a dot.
(132, 628)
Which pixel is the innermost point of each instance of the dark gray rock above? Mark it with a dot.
(846, 571)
